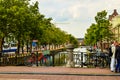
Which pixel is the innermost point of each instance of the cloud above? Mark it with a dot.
(79, 13)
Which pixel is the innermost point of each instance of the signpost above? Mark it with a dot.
(34, 44)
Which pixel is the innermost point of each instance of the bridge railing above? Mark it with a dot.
(52, 58)
(59, 58)
(82, 59)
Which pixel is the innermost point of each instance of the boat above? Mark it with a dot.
(9, 47)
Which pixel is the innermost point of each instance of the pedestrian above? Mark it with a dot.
(117, 57)
(110, 50)
(112, 56)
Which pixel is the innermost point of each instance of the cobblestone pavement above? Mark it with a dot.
(56, 73)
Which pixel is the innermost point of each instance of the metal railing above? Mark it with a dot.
(52, 59)
(82, 59)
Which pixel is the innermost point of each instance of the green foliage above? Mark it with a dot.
(24, 21)
(99, 31)
(73, 40)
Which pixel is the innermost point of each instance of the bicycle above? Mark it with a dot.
(32, 59)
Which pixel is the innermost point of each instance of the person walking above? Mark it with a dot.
(117, 57)
(113, 60)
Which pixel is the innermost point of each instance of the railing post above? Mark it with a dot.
(16, 57)
(96, 60)
(37, 58)
(0, 58)
(81, 59)
(59, 58)
(53, 58)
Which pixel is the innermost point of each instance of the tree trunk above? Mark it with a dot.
(1, 48)
(27, 47)
(31, 47)
(101, 45)
(18, 48)
(22, 46)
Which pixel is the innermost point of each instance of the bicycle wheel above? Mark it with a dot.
(27, 61)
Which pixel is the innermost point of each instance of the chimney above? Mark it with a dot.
(115, 13)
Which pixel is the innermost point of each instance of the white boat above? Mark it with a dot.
(9, 47)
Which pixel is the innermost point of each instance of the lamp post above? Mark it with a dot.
(70, 62)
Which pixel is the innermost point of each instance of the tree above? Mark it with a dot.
(10, 18)
(100, 31)
(91, 36)
(73, 40)
(25, 23)
(17, 18)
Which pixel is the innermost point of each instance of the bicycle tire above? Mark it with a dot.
(26, 62)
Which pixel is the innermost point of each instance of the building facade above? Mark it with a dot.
(115, 24)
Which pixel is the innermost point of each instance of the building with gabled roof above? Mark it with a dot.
(115, 13)
(115, 24)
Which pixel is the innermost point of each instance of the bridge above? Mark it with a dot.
(19, 59)
(55, 57)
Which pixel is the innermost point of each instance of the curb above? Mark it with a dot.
(69, 74)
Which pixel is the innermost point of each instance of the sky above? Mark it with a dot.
(75, 16)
